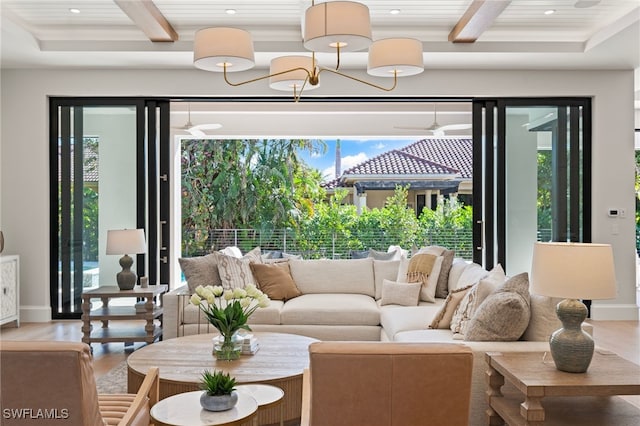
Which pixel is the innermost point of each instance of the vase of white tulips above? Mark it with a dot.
(228, 310)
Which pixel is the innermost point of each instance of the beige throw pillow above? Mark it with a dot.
(234, 272)
(200, 270)
(445, 314)
(474, 297)
(442, 288)
(395, 293)
(505, 313)
(275, 280)
(423, 268)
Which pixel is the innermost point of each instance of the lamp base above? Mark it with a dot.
(126, 278)
(571, 347)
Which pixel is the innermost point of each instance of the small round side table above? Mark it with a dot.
(184, 409)
(266, 396)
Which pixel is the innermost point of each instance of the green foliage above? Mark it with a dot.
(90, 224)
(544, 189)
(248, 183)
(217, 383)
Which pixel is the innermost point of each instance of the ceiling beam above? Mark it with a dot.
(479, 16)
(146, 15)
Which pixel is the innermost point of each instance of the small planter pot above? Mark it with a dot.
(218, 402)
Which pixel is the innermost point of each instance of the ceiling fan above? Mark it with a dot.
(436, 128)
(197, 129)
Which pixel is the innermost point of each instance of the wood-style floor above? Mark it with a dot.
(621, 337)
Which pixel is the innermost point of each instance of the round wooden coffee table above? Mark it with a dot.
(280, 362)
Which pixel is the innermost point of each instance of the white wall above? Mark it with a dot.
(24, 169)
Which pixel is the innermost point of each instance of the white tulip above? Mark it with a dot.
(217, 290)
(195, 300)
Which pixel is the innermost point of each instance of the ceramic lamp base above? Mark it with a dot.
(126, 278)
(571, 347)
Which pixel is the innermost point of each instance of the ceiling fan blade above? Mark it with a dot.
(410, 128)
(206, 126)
(461, 126)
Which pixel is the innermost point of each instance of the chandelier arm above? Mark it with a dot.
(395, 79)
(253, 80)
(297, 95)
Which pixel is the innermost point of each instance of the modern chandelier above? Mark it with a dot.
(332, 26)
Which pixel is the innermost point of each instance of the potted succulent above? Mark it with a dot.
(219, 391)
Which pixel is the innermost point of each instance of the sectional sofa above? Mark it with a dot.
(361, 299)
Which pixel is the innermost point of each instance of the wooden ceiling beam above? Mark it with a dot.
(146, 15)
(479, 16)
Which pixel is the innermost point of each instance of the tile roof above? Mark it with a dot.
(426, 156)
(456, 153)
(90, 164)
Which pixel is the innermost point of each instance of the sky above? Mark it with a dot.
(353, 152)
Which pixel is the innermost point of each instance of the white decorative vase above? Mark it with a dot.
(218, 402)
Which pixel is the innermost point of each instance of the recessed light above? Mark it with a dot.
(549, 12)
(394, 11)
(74, 10)
(231, 11)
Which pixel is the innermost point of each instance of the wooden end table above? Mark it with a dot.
(147, 333)
(534, 376)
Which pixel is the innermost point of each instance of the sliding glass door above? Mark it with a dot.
(532, 178)
(105, 165)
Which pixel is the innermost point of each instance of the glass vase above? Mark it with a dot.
(227, 347)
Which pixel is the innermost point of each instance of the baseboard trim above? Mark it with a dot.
(623, 312)
(35, 313)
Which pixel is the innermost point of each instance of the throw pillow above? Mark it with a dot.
(474, 297)
(235, 272)
(544, 320)
(445, 314)
(200, 270)
(425, 268)
(275, 280)
(395, 293)
(442, 288)
(291, 256)
(359, 254)
(504, 315)
(381, 255)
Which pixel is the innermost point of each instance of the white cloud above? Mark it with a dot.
(380, 146)
(346, 162)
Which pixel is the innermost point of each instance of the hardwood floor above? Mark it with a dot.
(621, 337)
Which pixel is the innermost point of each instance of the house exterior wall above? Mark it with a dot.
(24, 153)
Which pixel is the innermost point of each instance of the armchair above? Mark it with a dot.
(53, 383)
(387, 384)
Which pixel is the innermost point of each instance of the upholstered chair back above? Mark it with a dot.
(389, 384)
(47, 383)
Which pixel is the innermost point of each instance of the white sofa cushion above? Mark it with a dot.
(331, 309)
(352, 276)
(384, 269)
(457, 268)
(544, 319)
(395, 318)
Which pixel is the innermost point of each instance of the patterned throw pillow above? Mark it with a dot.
(442, 288)
(423, 268)
(505, 313)
(445, 314)
(235, 272)
(474, 297)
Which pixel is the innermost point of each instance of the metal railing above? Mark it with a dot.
(333, 246)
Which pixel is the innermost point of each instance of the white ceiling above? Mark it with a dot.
(45, 34)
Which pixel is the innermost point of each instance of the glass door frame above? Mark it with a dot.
(489, 172)
(151, 186)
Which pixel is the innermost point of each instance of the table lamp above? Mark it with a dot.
(572, 271)
(126, 241)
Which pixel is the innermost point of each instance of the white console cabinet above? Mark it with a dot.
(10, 289)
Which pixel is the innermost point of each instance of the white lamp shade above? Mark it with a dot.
(215, 47)
(126, 241)
(328, 24)
(292, 79)
(573, 270)
(403, 55)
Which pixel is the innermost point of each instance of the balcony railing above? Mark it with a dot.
(334, 246)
